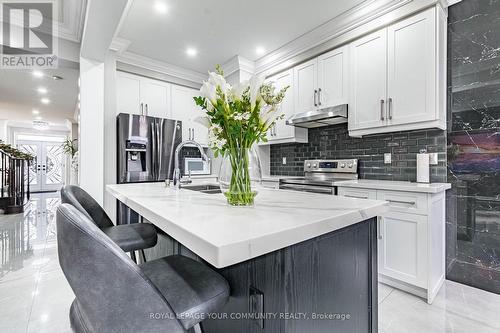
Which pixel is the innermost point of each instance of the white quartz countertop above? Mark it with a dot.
(276, 178)
(394, 185)
(224, 235)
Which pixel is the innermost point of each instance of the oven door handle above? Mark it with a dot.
(308, 188)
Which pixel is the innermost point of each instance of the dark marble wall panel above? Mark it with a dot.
(334, 142)
(473, 210)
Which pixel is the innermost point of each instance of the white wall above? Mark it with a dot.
(110, 112)
(3, 130)
(91, 144)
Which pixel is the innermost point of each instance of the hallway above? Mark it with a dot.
(34, 295)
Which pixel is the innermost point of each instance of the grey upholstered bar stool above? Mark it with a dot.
(130, 237)
(171, 294)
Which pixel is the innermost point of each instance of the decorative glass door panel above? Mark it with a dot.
(46, 171)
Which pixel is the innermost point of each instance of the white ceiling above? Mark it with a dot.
(18, 88)
(19, 96)
(220, 29)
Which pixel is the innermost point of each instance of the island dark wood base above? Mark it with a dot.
(324, 285)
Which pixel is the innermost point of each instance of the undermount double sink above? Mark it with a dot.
(206, 188)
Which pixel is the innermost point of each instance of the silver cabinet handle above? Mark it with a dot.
(353, 196)
(274, 130)
(382, 111)
(403, 202)
(319, 96)
(142, 109)
(147, 110)
(193, 135)
(379, 227)
(390, 108)
(315, 93)
(189, 129)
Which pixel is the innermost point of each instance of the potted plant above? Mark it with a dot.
(237, 118)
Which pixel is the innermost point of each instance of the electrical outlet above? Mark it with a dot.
(257, 306)
(284, 160)
(433, 158)
(387, 158)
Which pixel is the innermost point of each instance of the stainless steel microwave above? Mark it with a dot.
(197, 166)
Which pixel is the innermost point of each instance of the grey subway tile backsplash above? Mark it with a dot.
(333, 142)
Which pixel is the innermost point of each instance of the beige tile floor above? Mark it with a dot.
(35, 297)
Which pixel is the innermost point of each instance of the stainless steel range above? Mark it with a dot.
(321, 175)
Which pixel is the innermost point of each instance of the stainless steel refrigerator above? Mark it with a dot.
(146, 147)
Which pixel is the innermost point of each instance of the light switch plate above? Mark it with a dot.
(284, 160)
(433, 158)
(387, 158)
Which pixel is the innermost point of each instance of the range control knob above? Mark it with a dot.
(314, 165)
(308, 165)
(342, 165)
(350, 165)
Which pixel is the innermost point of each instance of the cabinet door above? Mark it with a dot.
(333, 76)
(412, 69)
(184, 108)
(368, 81)
(128, 93)
(403, 247)
(155, 95)
(282, 130)
(305, 84)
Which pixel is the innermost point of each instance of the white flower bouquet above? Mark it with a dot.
(237, 118)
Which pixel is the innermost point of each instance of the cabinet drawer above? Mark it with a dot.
(357, 193)
(406, 202)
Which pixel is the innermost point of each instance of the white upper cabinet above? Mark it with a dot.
(368, 81)
(281, 132)
(322, 82)
(412, 70)
(142, 96)
(156, 96)
(306, 86)
(396, 81)
(184, 108)
(333, 78)
(128, 94)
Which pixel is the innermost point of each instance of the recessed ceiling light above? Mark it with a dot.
(259, 50)
(35, 111)
(45, 101)
(37, 74)
(56, 78)
(192, 52)
(161, 7)
(42, 90)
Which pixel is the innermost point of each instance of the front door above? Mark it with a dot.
(46, 171)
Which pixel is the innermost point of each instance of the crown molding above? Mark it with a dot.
(452, 2)
(72, 14)
(161, 67)
(119, 45)
(238, 63)
(341, 24)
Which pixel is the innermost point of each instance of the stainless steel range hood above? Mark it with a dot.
(324, 117)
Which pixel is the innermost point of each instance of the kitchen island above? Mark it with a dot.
(295, 262)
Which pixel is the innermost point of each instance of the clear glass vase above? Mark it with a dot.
(240, 175)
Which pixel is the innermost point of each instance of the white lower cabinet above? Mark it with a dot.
(411, 239)
(402, 247)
